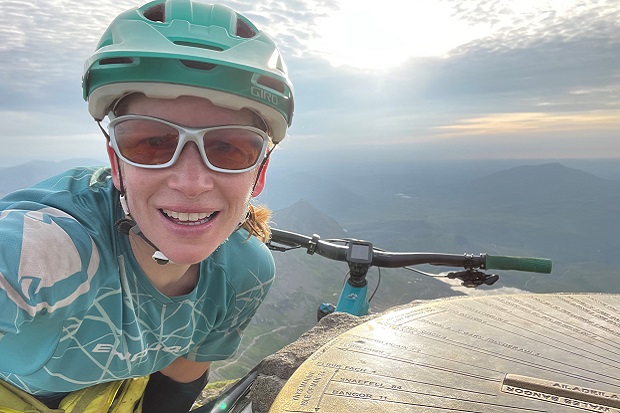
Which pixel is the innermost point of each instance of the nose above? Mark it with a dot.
(189, 174)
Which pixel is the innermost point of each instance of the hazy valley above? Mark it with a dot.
(568, 211)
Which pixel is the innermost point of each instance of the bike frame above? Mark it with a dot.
(353, 300)
(361, 255)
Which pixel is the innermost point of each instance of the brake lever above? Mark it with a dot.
(278, 248)
(473, 278)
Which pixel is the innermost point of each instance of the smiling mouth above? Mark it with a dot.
(189, 218)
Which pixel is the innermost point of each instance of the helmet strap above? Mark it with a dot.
(127, 224)
(262, 166)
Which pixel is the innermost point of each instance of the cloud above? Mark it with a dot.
(517, 23)
(293, 24)
(551, 61)
(44, 46)
(528, 122)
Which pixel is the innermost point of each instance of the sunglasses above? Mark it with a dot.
(149, 142)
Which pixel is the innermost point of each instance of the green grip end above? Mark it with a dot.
(497, 262)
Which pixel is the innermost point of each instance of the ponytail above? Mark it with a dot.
(257, 221)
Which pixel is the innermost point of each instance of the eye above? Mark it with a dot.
(161, 141)
(223, 147)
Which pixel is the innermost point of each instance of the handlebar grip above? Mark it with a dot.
(498, 262)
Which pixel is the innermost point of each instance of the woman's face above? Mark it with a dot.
(186, 210)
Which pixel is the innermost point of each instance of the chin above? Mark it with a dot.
(185, 258)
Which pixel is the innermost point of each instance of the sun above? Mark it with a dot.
(381, 35)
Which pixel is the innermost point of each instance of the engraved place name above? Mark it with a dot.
(365, 349)
(512, 347)
(407, 316)
(368, 383)
(366, 343)
(420, 332)
(593, 310)
(580, 397)
(338, 366)
(353, 394)
(484, 313)
(359, 395)
(587, 320)
(360, 382)
(299, 391)
(535, 312)
(566, 401)
(306, 389)
(586, 390)
(602, 303)
(490, 340)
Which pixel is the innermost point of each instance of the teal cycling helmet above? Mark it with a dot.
(170, 48)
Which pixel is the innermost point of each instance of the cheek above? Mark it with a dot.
(136, 185)
(242, 189)
(239, 193)
(114, 168)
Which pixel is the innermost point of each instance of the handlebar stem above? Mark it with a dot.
(357, 281)
(358, 270)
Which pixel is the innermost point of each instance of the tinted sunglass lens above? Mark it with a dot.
(145, 141)
(233, 148)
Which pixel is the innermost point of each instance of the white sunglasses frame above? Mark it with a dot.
(187, 134)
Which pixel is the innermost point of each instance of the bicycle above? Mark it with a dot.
(360, 255)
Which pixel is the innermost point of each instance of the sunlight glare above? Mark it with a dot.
(371, 35)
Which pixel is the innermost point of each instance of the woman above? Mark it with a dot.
(152, 268)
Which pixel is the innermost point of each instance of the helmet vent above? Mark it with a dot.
(271, 83)
(192, 64)
(244, 30)
(199, 45)
(116, 61)
(156, 13)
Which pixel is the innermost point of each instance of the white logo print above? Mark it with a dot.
(49, 267)
(40, 264)
(108, 348)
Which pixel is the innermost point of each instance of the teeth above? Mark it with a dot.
(187, 216)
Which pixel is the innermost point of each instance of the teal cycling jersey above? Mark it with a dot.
(76, 309)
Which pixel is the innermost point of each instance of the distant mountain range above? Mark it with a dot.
(540, 209)
(547, 210)
(567, 213)
(23, 175)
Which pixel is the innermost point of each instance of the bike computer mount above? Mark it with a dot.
(359, 258)
(359, 252)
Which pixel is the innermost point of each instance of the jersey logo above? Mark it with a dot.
(41, 266)
(156, 348)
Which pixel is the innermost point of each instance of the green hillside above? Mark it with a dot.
(547, 210)
(523, 208)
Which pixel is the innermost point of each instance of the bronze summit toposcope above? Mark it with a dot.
(503, 353)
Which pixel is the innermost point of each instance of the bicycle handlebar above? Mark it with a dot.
(498, 262)
(388, 259)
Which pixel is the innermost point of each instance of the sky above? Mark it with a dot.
(432, 79)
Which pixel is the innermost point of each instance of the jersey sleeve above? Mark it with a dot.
(250, 273)
(47, 260)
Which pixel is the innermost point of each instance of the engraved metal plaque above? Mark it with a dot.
(506, 353)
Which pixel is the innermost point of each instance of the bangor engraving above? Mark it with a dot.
(527, 352)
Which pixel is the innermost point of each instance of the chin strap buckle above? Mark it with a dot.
(160, 258)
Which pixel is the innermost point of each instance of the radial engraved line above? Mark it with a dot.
(549, 344)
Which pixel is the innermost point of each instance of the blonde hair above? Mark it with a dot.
(257, 222)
